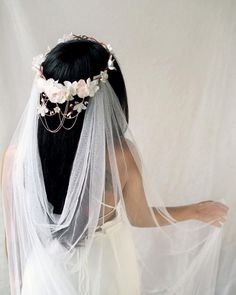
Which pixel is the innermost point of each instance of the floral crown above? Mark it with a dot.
(58, 93)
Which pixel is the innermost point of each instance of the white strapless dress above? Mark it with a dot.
(111, 266)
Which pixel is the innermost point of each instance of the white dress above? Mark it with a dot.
(112, 246)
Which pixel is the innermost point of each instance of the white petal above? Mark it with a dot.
(110, 48)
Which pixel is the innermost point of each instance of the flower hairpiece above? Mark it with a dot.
(58, 93)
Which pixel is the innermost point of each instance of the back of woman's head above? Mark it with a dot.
(71, 61)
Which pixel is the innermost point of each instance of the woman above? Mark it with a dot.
(77, 213)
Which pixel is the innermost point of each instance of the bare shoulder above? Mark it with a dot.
(9, 151)
(124, 150)
(132, 154)
(125, 154)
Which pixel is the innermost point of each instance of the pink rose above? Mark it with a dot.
(82, 89)
(55, 91)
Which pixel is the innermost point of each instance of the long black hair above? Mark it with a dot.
(70, 61)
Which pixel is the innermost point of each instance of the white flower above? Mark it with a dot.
(57, 109)
(104, 76)
(42, 110)
(71, 89)
(110, 63)
(37, 60)
(92, 86)
(55, 91)
(110, 48)
(66, 37)
(79, 107)
(48, 50)
(82, 89)
(41, 83)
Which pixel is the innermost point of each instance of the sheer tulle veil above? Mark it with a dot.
(46, 250)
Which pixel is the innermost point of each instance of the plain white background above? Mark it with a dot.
(179, 65)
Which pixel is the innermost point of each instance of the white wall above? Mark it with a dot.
(179, 64)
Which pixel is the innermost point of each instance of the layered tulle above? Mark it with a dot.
(79, 251)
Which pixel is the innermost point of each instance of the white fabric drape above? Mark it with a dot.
(183, 113)
(129, 259)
